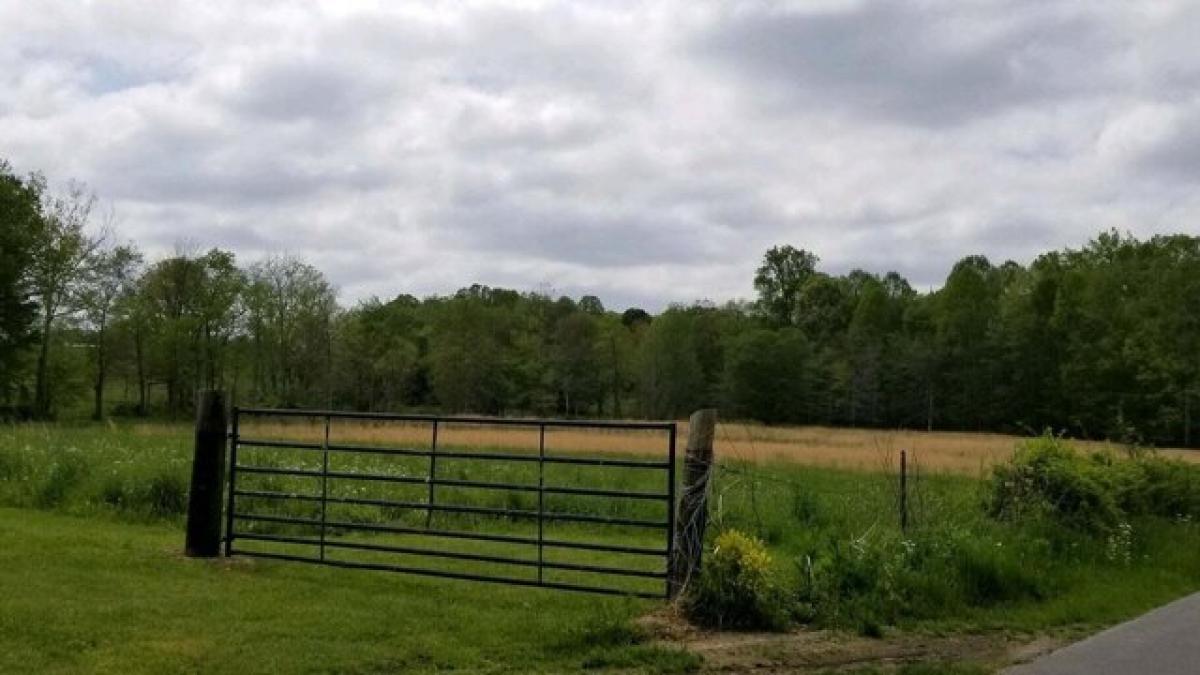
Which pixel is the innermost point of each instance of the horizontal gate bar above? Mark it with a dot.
(450, 482)
(494, 421)
(451, 575)
(456, 508)
(406, 452)
(454, 534)
(278, 471)
(454, 555)
(264, 518)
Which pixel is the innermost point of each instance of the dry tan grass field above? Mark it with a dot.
(855, 449)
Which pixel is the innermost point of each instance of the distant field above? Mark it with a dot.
(840, 448)
(874, 449)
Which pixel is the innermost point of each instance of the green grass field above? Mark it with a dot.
(94, 582)
(92, 595)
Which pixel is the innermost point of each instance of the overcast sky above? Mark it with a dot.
(643, 152)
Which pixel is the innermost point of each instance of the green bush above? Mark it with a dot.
(1096, 494)
(1047, 479)
(738, 587)
(1155, 486)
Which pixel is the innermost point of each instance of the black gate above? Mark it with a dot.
(298, 493)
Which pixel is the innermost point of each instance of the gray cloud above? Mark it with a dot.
(1174, 153)
(646, 153)
(922, 63)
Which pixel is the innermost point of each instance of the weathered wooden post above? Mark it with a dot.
(693, 500)
(903, 491)
(208, 471)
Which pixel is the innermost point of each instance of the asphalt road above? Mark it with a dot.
(1164, 642)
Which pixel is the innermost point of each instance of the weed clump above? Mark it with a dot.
(67, 471)
(164, 495)
(12, 465)
(881, 578)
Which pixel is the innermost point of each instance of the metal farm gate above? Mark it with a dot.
(298, 493)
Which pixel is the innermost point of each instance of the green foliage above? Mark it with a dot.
(290, 307)
(738, 586)
(19, 220)
(871, 581)
(1046, 478)
(68, 469)
(12, 464)
(779, 281)
(1099, 341)
(184, 316)
(1156, 486)
(469, 367)
(672, 382)
(767, 376)
(164, 495)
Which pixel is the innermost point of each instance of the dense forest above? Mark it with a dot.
(1102, 341)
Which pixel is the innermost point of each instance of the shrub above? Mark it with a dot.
(737, 587)
(1047, 479)
(1155, 486)
(1095, 494)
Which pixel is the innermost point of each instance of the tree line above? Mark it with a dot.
(1100, 341)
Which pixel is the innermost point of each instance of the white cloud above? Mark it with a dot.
(646, 153)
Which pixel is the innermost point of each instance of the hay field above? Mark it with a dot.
(842, 448)
(874, 449)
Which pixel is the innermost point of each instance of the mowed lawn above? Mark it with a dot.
(100, 596)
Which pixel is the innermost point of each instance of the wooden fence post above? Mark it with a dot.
(903, 491)
(693, 500)
(208, 472)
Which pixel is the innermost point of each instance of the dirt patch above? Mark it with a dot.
(807, 650)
